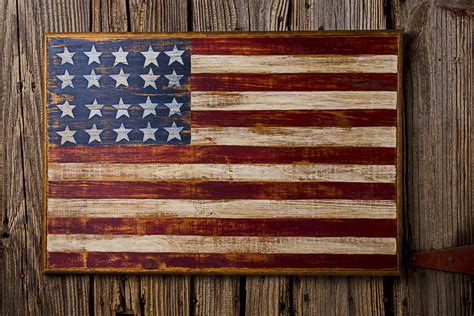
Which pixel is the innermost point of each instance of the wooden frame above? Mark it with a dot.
(246, 271)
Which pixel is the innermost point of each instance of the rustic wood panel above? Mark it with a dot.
(114, 294)
(439, 100)
(163, 295)
(215, 295)
(26, 290)
(249, 16)
(337, 295)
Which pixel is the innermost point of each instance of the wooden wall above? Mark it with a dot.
(439, 197)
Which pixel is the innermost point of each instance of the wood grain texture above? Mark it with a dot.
(156, 294)
(224, 154)
(293, 64)
(438, 84)
(222, 172)
(331, 295)
(26, 291)
(209, 15)
(244, 15)
(223, 209)
(293, 100)
(440, 128)
(158, 15)
(109, 290)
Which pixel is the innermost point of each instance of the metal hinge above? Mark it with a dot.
(457, 259)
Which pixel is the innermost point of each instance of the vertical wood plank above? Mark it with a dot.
(26, 290)
(267, 295)
(439, 98)
(215, 295)
(162, 295)
(141, 295)
(109, 16)
(338, 15)
(159, 15)
(114, 294)
(338, 295)
(165, 295)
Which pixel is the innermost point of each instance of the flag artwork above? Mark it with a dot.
(222, 153)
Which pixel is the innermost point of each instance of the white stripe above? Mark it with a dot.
(221, 172)
(293, 64)
(218, 244)
(296, 136)
(332, 209)
(293, 100)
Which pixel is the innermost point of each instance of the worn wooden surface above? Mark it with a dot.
(439, 198)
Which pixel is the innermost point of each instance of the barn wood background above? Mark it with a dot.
(439, 195)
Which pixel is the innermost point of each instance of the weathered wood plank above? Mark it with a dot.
(158, 295)
(158, 15)
(208, 15)
(337, 15)
(216, 295)
(337, 295)
(165, 295)
(114, 294)
(162, 295)
(267, 295)
(440, 128)
(26, 289)
(257, 209)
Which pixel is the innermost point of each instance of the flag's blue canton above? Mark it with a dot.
(155, 116)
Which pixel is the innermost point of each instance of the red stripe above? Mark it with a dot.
(65, 260)
(332, 118)
(295, 82)
(284, 227)
(169, 261)
(217, 190)
(222, 154)
(295, 45)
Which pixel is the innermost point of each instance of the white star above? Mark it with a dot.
(174, 79)
(148, 132)
(122, 133)
(94, 134)
(150, 57)
(121, 78)
(66, 57)
(174, 107)
(92, 79)
(93, 55)
(175, 55)
(122, 109)
(173, 132)
(120, 57)
(148, 107)
(95, 108)
(66, 80)
(67, 136)
(66, 109)
(150, 79)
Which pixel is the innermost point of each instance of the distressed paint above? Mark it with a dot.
(289, 151)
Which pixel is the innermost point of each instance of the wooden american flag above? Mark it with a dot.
(222, 153)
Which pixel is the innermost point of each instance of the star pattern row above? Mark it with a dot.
(95, 108)
(175, 55)
(149, 133)
(121, 79)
